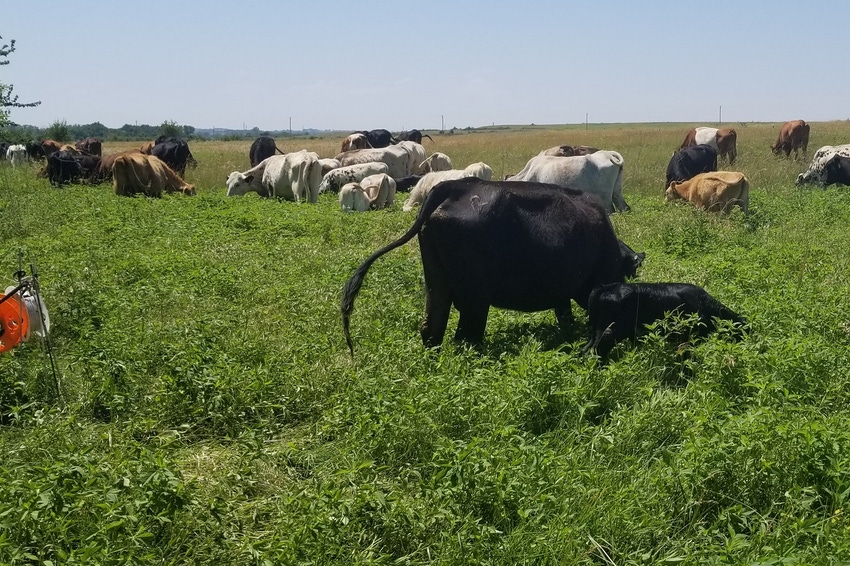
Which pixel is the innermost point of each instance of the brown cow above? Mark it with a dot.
(793, 135)
(92, 146)
(715, 191)
(147, 147)
(50, 146)
(355, 141)
(723, 140)
(103, 172)
(138, 173)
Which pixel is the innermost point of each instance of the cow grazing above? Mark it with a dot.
(430, 180)
(91, 146)
(294, 176)
(175, 153)
(599, 173)
(836, 171)
(723, 140)
(568, 150)
(338, 177)
(717, 191)
(136, 173)
(89, 166)
(435, 162)
(792, 136)
(519, 246)
(354, 141)
(261, 148)
(372, 193)
(17, 154)
(402, 159)
(404, 184)
(62, 168)
(619, 311)
(412, 135)
(691, 161)
(819, 159)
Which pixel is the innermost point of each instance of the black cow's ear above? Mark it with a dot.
(639, 257)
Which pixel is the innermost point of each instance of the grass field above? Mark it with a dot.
(208, 410)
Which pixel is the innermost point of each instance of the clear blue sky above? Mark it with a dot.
(375, 64)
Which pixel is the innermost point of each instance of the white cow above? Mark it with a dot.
(436, 162)
(336, 178)
(352, 198)
(430, 180)
(372, 193)
(293, 176)
(600, 173)
(402, 159)
(821, 156)
(17, 154)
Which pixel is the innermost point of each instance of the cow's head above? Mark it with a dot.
(631, 260)
(188, 190)
(238, 184)
(671, 193)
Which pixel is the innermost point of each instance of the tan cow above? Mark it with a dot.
(793, 135)
(135, 173)
(355, 141)
(372, 193)
(715, 191)
(724, 140)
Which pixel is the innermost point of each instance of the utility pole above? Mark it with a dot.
(720, 117)
(442, 123)
(585, 121)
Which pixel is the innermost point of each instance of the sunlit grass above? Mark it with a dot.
(211, 413)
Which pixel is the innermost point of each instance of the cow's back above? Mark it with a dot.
(525, 246)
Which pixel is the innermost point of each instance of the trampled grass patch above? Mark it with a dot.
(210, 411)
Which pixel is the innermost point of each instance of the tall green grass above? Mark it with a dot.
(210, 412)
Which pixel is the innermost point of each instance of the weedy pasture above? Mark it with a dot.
(208, 411)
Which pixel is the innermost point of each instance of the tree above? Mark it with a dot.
(7, 99)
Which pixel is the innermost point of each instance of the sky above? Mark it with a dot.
(399, 65)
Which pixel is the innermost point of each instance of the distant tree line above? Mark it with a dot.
(63, 132)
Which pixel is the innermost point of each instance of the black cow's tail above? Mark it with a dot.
(436, 197)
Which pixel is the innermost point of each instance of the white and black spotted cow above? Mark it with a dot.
(334, 180)
(821, 157)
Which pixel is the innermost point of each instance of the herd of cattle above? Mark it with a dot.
(535, 241)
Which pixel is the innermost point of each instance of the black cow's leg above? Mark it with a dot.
(438, 304)
(564, 315)
(472, 323)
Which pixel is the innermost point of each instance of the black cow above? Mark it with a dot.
(175, 153)
(91, 146)
(412, 135)
(62, 168)
(379, 138)
(404, 184)
(4, 146)
(262, 148)
(689, 162)
(89, 165)
(617, 311)
(514, 245)
(34, 150)
(836, 171)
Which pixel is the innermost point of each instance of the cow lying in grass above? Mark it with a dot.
(715, 191)
(618, 311)
(372, 193)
